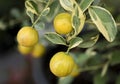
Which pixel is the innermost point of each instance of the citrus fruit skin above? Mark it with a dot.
(62, 23)
(24, 50)
(27, 36)
(61, 64)
(38, 50)
(75, 72)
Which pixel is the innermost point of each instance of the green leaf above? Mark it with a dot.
(85, 4)
(31, 6)
(117, 80)
(67, 4)
(65, 80)
(76, 22)
(89, 42)
(45, 11)
(82, 59)
(104, 22)
(78, 19)
(100, 80)
(95, 60)
(31, 15)
(54, 9)
(39, 25)
(96, 2)
(115, 57)
(75, 42)
(55, 38)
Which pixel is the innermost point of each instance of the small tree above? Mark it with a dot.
(89, 20)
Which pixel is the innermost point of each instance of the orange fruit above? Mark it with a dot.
(24, 50)
(61, 64)
(27, 36)
(38, 50)
(62, 23)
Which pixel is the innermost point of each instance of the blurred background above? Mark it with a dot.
(16, 68)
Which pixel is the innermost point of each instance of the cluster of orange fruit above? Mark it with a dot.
(61, 64)
(28, 42)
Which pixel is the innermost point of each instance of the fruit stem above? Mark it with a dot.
(68, 50)
(68, 37)
(40, 14)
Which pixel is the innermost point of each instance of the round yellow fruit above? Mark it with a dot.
(75, 72)
(38, 50)
(27, 36)
(61, 64)
(24, 50)
(62, 23)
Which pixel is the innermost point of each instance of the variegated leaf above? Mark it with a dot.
(104, 22)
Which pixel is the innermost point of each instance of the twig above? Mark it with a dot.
(92, 68)
(40, 14)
